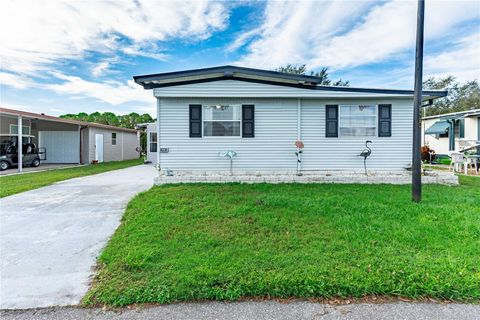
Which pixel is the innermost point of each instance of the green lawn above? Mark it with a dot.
(231, 241)
(23, 182)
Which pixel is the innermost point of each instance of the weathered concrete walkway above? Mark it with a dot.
(50, 237)
(262, 311)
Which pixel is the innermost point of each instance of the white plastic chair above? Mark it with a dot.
(458, 160)
(472, 162)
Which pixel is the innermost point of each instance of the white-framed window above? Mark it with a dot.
(222, 120)
(14, 129)
(358, 120)
(114, 138)
(153, 141)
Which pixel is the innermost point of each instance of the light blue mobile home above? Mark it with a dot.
(260, 115)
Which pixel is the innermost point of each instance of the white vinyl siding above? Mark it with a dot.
(388, 153)
(273, 147)
(241, 89)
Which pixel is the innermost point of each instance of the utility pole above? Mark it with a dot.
(417, 102)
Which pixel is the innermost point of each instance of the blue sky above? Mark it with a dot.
(70, 56)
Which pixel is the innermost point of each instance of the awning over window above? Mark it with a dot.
(439, 127)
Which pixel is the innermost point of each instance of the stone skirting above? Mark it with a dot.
(431, 177)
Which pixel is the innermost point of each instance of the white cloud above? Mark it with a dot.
(14, 80)
(291, 30)
(314, 32)
(101, 68)
(142, 51)
(390, 29)
(37, 33)
(112, 92)
(242, 39)
(463, 58)
(105, 66)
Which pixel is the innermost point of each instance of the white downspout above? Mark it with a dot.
(80, 141)
(158, 135)
(299, 130)
(123, 158)
(20, 143)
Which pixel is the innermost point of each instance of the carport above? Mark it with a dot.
(58, 139)
(63, 141)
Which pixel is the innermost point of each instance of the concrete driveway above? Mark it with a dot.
(50, 237)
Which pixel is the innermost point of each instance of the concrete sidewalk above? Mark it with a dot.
(261, 311)
(50, 237)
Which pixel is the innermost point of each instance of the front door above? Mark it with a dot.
(99, 147)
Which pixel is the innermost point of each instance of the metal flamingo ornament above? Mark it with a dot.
(365, 154)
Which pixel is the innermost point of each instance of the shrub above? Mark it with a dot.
(425, 153)
(446, 161)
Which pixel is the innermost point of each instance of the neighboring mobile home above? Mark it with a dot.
(448, 132)
(260, 115)
(71, 141)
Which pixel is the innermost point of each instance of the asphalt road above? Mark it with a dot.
(261, 310)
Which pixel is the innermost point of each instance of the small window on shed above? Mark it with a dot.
(14, 129)
(114, 138)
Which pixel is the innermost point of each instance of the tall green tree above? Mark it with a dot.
(124, 121)
(301, 69)
(461, 97)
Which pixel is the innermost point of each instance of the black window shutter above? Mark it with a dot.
(248, 121)
(195, 121)
(331, 121)
(384, 120)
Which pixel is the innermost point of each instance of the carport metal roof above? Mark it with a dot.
(41, 116)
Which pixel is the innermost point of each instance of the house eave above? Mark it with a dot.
(179, 78)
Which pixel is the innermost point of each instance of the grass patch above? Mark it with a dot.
(28, 181)
(230, 241)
